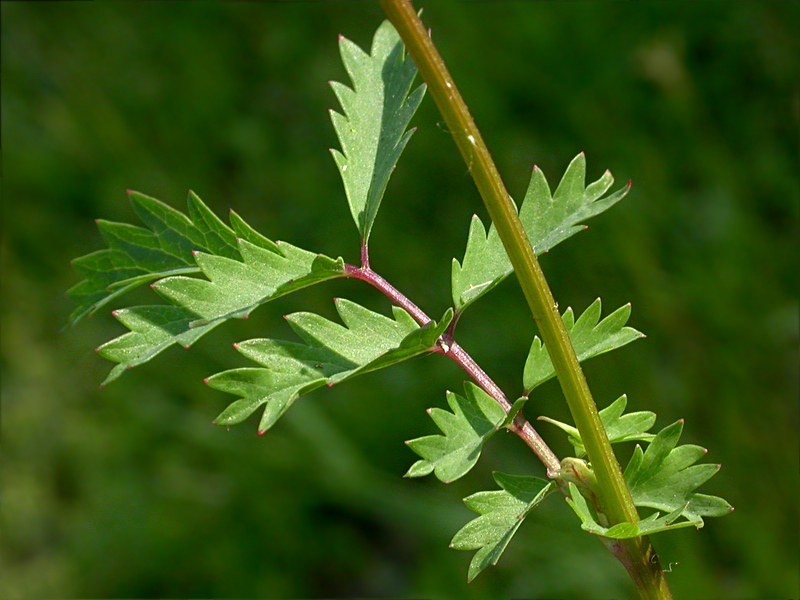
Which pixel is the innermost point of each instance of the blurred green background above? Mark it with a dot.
(130, 492)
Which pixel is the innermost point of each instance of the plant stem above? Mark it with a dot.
(637, 555)
(448, 347)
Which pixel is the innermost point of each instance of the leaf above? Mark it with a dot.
(244, 270)
(476, 416)
(331, 353)
(619, 427)
(137, 255)
(501, 513)
(372, 130)
(588, 336)
(547, 220)
(519, 403)
(665, 477)
(653, 524)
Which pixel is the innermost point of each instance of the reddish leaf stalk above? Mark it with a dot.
(449, 348)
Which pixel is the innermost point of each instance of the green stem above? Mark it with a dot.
(637, 555)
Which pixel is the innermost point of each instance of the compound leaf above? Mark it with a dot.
(501, 513)
(476, 416)
(547, 220)
(372, 130)
(244, 270)
(331, 353)
(589, 337)
(619, 427)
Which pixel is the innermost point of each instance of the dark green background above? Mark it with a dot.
(131, 492)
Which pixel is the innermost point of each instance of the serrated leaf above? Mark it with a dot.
(665, 477)
(547, 220)
(652, 524)
(137, 255)
(372, 130)
(233, 290)
(501, 513)
(476, 416)
(331, 353)
(244, 270)
(662, 477)
(589, 336)
(619, 427)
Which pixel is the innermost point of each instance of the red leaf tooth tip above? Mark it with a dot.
(329, 384)
(583, 154)
(236, 345)
(186, 346)
(732, 509)
(195, 252)
(129, 192)
(446, 482)
(102, 386)
(428, 410)
(244, 318)
(630, 182)
(152, 286)
(341, 37)
(682, 420)
(206, 382)
(261, 431)
(214, 422)
(114, 313)
(536, 167)
(705, 450)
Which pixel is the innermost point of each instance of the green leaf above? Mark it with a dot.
(588, 336)
(377, 111)
(519, 403)
(331, 353)
(665, 477)
(501, 513)
(476, 416)
(137, 255)
(619, 427)
(547, 220)
(652, 524)
(244, 270)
